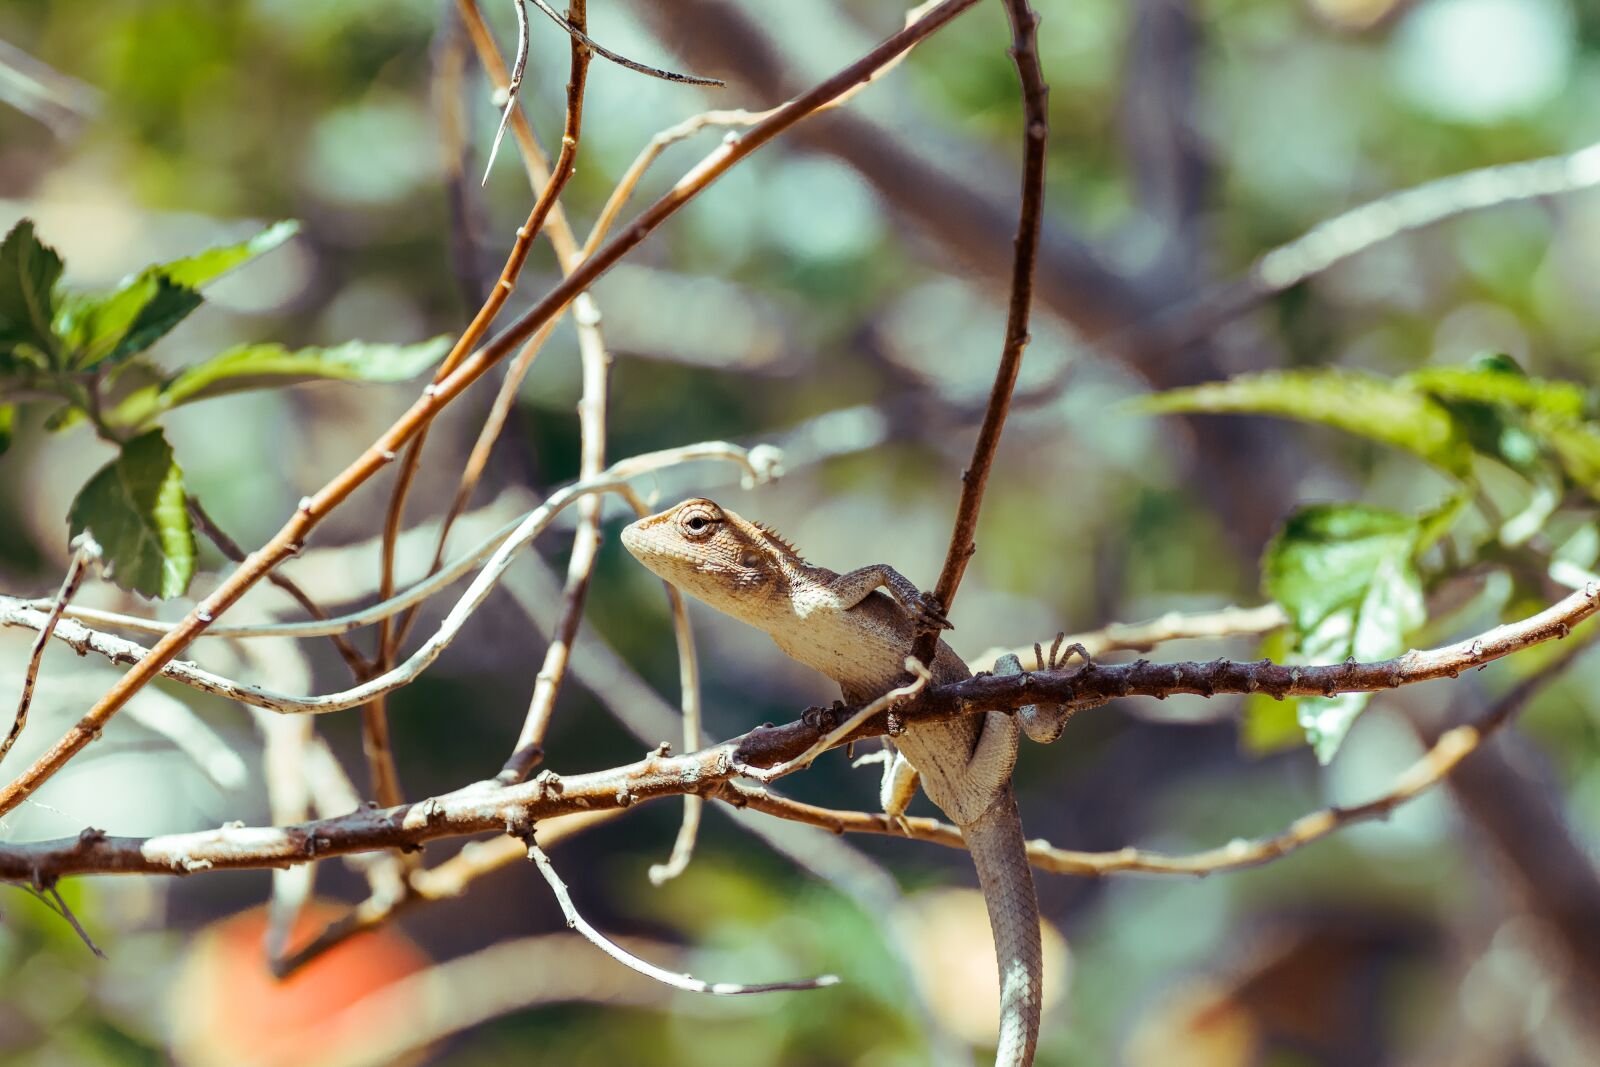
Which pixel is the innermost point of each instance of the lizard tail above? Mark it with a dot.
(1000, 854)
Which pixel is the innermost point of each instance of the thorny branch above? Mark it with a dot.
(489, 807)
(1432, 767)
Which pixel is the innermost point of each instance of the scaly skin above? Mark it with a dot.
(844, 627)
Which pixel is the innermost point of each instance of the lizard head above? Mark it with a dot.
(709, 553)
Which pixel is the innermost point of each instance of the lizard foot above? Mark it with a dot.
(926, 613)
(1060, 657)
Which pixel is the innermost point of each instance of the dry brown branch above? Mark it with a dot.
(596, 364)
(437, 395)
(488, 806)
(562, 241)
(1030, 219)
(1431, 768)
(964, 218)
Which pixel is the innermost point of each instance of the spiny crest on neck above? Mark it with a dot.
(775, 538)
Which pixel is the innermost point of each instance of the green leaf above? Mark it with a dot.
(260, 366)
(134, 507)
(1375, 408)
(205, 267)
(112, 326)
(1344, 574)
(1497, 379)
(29, 271)
(8, 423)
(108, 328)
(1576, 446)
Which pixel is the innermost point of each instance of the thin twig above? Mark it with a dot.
(1144, 636)
(576, 29)
(684, 982)
(86, 551)
(920, 678)
(549, 183)
(231, 550)
(1030, 219)
(50, 897)
(596, 363)
(400, 1020)
(1335, 240)
(517, 67)
(689, 702)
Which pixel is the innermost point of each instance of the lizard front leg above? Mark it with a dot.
(852, 587)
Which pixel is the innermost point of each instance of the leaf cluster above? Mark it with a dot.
(84, 353)
(1351, 577)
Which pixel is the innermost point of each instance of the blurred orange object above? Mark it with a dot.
(227, 1008)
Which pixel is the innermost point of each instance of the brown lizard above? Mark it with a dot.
(844, 627)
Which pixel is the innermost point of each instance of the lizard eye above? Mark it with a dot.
(698, 522)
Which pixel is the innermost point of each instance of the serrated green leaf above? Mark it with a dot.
(1497, 379)
(261, 366)
(1344, 574)
(108, 328)
(29, 272)
(134, 507)
(202, 268)
(1363, 404)
(1325, 555)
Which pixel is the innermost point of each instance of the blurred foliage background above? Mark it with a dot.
(841, 295)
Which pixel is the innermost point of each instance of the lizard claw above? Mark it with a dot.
(813, 717)
(926, 614)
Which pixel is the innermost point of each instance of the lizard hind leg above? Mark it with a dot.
(1041, 722)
